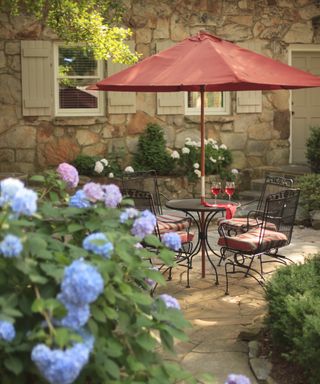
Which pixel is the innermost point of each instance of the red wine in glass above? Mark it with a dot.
(216, 189)
(229, 189)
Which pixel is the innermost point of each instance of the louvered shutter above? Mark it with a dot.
(169, 103)
(36, 67)
(249, 101)
(120, 102)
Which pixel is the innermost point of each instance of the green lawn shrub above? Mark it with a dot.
(310, 191)
(313, 149)
(152, 152)
(293, 296)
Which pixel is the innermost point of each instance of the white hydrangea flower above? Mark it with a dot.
(129, 169)
(111, 175)
(188, 139)
(197, 172)
(198, 144)
(215, 146)
(98, 167)
(206, 142)
(219, 158)
(223, 146)
(185, 150)
(234, 171)
(175, 155)
(105, 162)
(196, 165)
(211, 141)
(212, 159)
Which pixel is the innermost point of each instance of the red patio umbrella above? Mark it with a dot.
(207, 63)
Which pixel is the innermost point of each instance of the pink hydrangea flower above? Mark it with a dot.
(93, 192)
(69, 174)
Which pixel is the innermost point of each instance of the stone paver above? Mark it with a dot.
(217, 319)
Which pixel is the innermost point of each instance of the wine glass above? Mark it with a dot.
(229, 189)
(216, 189)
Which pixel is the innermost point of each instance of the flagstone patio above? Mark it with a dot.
(217, 320)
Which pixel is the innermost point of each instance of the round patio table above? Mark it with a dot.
(202, 216)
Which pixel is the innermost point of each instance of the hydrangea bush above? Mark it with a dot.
(218, 159)
(75, 304)
(75, 283)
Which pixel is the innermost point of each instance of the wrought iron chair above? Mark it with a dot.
(144, 200)
(272, 230)
(272, 184)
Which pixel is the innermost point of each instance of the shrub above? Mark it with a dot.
(313, 149)
(217, 159)
(152, 153)
(75, 289)
(293, 296)
(96, 166)
(310, 191)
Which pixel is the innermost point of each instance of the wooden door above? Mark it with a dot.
(305, 105)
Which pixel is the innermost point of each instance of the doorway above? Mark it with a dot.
(305, 105)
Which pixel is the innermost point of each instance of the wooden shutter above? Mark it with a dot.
(120, 102)
(169, 103)
(36, 67)
(249, 101)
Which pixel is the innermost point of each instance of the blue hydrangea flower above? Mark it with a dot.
(170, 302)
(60, 366)
(144, 225)
(11, 246)
(146, 213)
(112, 195)
(81, 283)
(79, 200)
(8, 188)
(7, 331)
(172, 240)
(24, 202)
(77, 316)
(98, 243)
(237, 379)
(128, 213)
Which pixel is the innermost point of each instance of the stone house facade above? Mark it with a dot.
(257, 127)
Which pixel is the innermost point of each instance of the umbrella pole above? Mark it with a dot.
(202, 137)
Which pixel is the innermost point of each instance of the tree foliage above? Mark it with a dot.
(93, 22)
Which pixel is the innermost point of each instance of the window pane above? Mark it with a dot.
(73, 94)
(211, 100)
(76, 61)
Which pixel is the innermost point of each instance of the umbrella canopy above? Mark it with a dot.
(207, 63)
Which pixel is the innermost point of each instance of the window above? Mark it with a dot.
(75, 68)
(215, 103)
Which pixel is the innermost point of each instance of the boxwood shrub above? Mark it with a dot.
(293, 296)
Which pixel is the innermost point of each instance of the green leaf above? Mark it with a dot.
(146, 342)
(98, 314)
(37, 278)
(12, 312)
(112, 368)
(62, 337)
(152, 241)
(38, 305)
(54, 197)
(14, 365)
(74, 227)
(39, 178)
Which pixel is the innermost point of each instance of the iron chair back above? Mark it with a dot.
(144, 181)
(273, 184)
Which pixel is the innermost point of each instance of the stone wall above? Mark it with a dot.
(256, 139)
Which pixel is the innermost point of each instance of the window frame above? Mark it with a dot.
(188, 111)
(76, 112)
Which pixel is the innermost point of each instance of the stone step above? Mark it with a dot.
(257, 184)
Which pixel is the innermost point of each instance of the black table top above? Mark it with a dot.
(194, 205)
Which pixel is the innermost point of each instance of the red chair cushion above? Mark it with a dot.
(172, 223)
(242, 222)
(249, 242)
